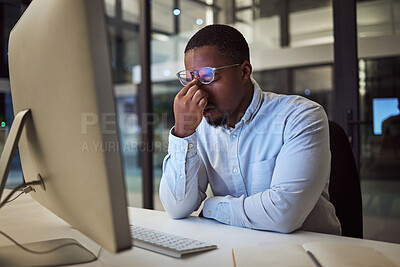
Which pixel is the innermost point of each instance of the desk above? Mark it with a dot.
(27, 221)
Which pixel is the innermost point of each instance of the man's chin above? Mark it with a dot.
(217, 121)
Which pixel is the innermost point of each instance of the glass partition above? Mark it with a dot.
(315, 83)
(380, 146)
(123, 32)
(378, 18)
(311, 22)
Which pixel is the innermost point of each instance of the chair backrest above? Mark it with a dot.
(344, 186)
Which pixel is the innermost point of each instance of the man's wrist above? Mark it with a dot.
(182, 134)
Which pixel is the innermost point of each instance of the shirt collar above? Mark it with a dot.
(254, 105)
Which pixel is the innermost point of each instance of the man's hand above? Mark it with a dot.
(189, 106)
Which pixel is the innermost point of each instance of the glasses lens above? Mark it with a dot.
(206, 75)
(188, 77)
(184, 77)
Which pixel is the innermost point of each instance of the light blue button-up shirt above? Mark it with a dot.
(269, 172)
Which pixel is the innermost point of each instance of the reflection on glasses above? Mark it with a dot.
(204, 75)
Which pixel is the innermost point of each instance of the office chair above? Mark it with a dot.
(344, 186)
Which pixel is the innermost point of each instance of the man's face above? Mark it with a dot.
(226, 93)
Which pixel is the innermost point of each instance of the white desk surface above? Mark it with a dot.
(27, 221)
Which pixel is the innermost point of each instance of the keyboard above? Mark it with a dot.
(167, 244)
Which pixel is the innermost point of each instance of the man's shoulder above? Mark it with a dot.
(286, 104)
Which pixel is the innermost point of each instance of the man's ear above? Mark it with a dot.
(246, 71)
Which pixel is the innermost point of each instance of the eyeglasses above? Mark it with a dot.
(204, 75)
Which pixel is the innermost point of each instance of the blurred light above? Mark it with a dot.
(361, 78)
(167, 72)
(199, 21)
(160, 37)
(307, 92)
(3, 124)
(176, 11)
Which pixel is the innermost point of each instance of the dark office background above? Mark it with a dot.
(297, 47)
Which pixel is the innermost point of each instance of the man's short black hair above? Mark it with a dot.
(229, 41)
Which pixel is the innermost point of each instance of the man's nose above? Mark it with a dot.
(204, 87)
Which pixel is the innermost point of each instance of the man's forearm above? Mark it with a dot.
(180, 190)
(180, 194)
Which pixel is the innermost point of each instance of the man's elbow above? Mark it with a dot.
(178, 212)
(177, 209)
(287, 228)
(288, 225)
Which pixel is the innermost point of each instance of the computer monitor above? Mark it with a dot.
(384, 108)
(61, 85)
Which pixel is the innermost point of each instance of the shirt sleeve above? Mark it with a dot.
(184, 180)
(301, 172)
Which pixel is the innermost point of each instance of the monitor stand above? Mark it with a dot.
(70, 251)
(10, 147)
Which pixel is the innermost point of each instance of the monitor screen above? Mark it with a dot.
(60, 70)
(383, 108)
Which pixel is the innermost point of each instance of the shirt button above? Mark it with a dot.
(182, 148)
(235, 170)
(227, 221)
(209, 213)
(234, 135)
(190, 145)
(181, 176)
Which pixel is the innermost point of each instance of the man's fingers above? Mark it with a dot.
(192, 91)
(203, 103)
(198, 95)
(185, 89)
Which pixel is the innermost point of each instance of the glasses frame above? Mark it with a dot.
(197, 76)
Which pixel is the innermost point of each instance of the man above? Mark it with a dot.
(266, 156)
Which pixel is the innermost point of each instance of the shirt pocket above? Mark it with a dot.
(261, 175)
